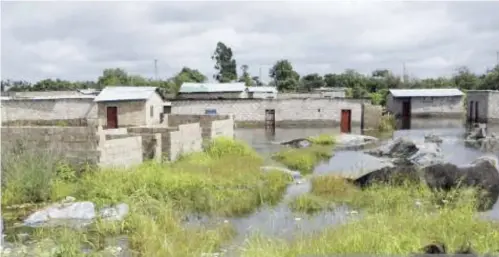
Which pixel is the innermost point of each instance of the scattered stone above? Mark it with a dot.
(432, 138)
(295, 174)
(354, 141)
(114, 213)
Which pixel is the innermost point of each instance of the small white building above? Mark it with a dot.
(190, 90)
(483, 106)
(427, 102)
(125, 106)
(262, 92)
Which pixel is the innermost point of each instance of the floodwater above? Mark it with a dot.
(281, 222)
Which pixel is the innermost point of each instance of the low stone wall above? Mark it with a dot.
(76, 145)
(81, 122)
(224, 124)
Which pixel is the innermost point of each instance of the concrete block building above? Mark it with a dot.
(441, 102)
(482, 106)
(125, 106)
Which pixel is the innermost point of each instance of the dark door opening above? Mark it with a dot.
(406, 114)
(477, 119)
(112, 117)
(346, 121)
(270, 119)
(471, 113)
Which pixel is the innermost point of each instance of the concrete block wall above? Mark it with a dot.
(80, 122)
(222, 128)
(121, 152)
(372, 116)
(303, 112)
(186, 139)
(482, 97)
(48, 109)
(205, 121)
(77, 145)
(130, 113)
(493, 107)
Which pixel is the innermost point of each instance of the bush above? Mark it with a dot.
(387, 123)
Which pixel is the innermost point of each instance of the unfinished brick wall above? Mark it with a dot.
(205, 121)
(372, 116)
(81, 122)
(121, 152)
(224, 128)
(76, 145)
(186, 139)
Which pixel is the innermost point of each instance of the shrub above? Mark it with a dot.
(323, 139)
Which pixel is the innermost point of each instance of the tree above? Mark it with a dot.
(224, 64)
(245, 76)
(256, 81)
(465, 79)
(186, 75)
(312, 81)
(285, 78)
(114, 77)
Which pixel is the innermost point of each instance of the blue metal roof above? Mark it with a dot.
(211, 87)
(121, 93)
(427, 92)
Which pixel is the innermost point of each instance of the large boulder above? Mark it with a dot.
(354, 141)
(76, 214)
(482, 174)
(479, 139)
(404, 151)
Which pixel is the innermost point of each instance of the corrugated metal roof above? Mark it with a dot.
(262, 89)
(211, 87)
(427, 92)
(88, 91)
(122, 93)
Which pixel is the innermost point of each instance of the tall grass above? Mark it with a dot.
(395, 220)
(387, 123)
(323, 139)
(304, 159)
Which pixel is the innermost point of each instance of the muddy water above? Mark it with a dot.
(279, 221)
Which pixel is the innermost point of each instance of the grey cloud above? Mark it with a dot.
(316, 36)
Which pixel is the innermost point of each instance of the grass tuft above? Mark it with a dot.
(323, 139)
(304, 159)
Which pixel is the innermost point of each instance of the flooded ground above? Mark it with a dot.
(281, 222)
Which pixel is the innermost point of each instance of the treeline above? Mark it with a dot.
(282, 74)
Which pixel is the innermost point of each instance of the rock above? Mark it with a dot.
(354, 140)
(298, 143)
(481, 173)
(77, 214)
(431, 138)
(399, 148)
(84, 212)
(115, 213)
(435, 248)
(404, 151)
(394, 175)
(477, 133)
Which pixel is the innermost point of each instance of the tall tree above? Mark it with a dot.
(225, 64)
(245, 76)
(115, 77)
(187, 75)
(283, 75)
(312, 81)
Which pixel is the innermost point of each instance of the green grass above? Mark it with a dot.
(303, 159)
(395, 220)
(323, 139)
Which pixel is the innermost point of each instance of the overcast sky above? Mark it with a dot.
(77, 40)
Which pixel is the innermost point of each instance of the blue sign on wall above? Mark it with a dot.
(210, 112)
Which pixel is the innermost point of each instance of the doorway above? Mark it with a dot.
(406, 114)
(471, 113)
(112, 117)
(270, 119)
(346, 121)
(477, 119)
